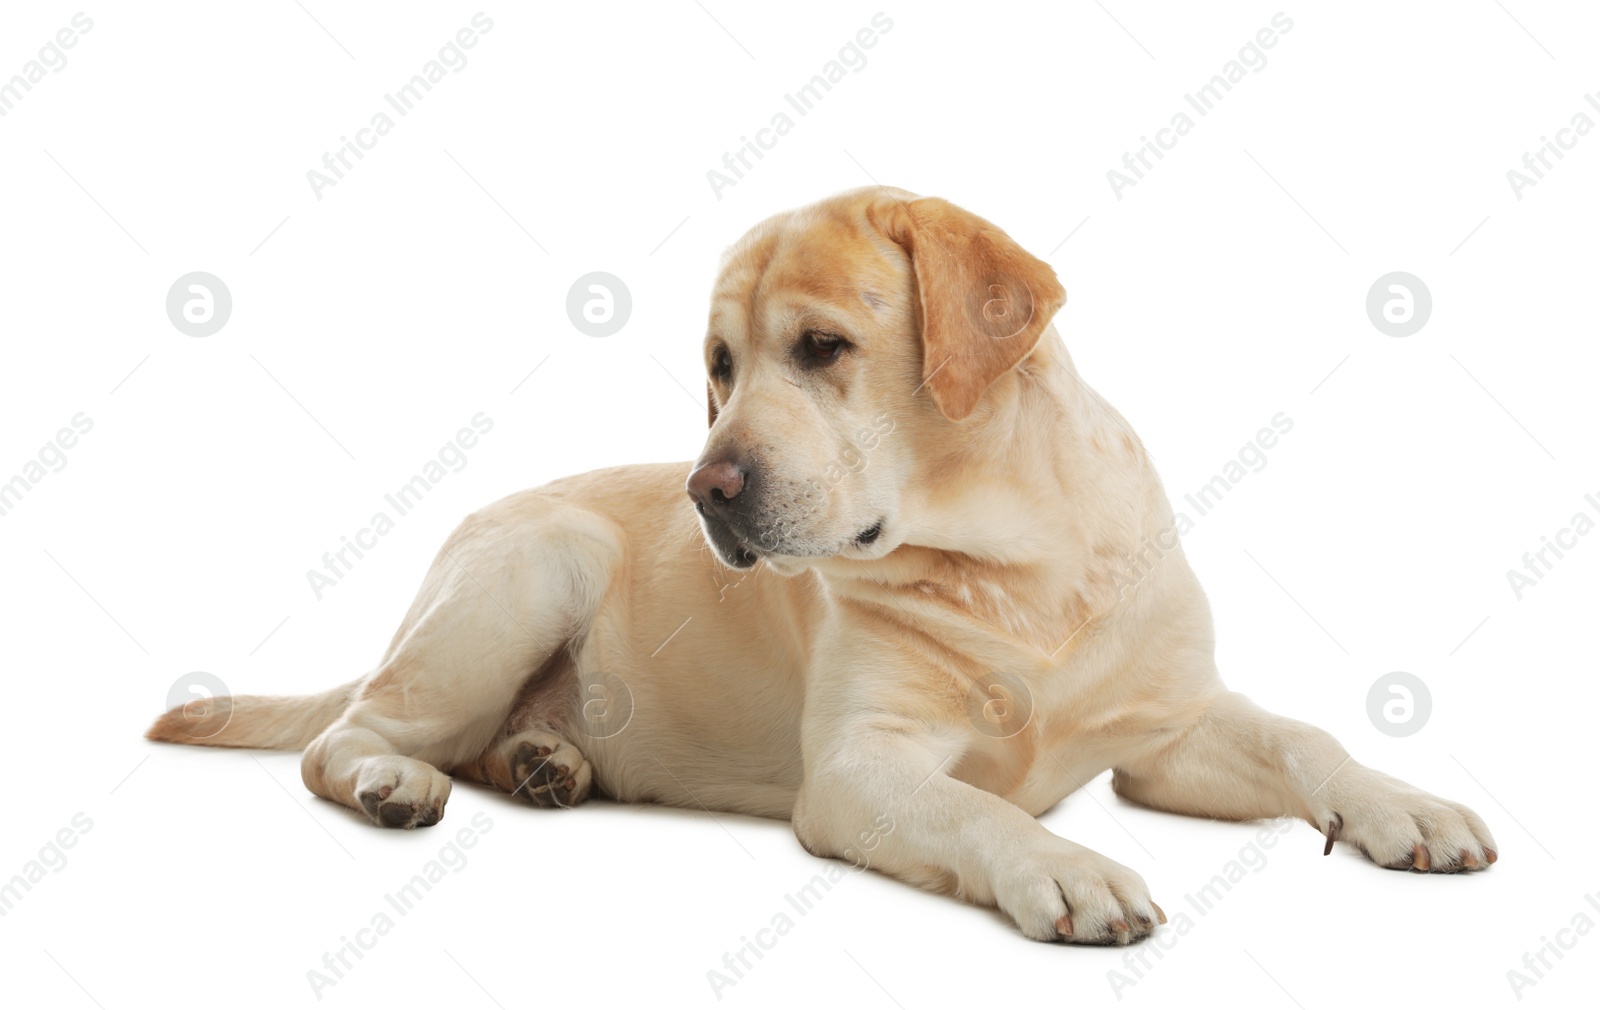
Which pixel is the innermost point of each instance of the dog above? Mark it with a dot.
(895, 606)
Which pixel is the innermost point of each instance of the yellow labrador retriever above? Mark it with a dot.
(908, 603)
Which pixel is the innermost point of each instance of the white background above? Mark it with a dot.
(371, 324)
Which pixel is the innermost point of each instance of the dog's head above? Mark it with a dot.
(852, 346)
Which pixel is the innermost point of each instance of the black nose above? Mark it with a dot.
(716, 483)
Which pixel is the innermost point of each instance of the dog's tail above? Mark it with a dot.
(269, 723)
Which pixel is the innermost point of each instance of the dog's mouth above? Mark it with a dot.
(735, 550)
(734, 544)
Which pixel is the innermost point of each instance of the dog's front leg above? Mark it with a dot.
(878, 792)
(1241, 762)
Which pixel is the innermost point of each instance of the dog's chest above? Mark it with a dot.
(1013, 616)
(1031, 679)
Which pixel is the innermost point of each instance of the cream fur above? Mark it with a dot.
(589, 634)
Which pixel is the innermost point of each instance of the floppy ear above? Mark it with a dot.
(711, 407)
(984, 300)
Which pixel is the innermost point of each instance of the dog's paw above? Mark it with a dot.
(548, 771)
(399, 792)
(1063, 891)
(1403, 828)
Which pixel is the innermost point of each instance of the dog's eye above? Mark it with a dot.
(721, 364)
(822, 345)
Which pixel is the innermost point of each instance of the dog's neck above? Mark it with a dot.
(1003, 532)
(1047, 453)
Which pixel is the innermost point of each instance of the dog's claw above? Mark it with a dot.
(1333, 833)
(1162, 916)
(1421, 858)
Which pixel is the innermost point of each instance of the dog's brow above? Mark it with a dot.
(820, 316)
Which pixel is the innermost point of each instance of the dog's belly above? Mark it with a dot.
(689, 682)
(714, 715)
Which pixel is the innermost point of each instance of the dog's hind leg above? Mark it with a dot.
(533, 757)
(512, 585)
(536, 766)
